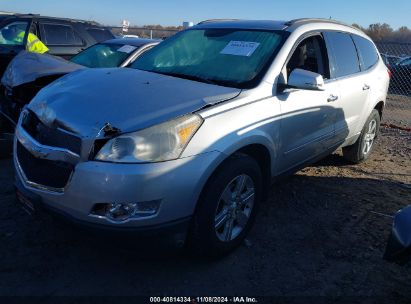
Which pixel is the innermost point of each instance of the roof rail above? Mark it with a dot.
(22, 15)
(7, 13)
(216, 20)
(310, 20)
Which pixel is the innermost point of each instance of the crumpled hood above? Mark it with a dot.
(27, 67)
(128, 99)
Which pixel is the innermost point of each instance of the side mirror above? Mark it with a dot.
(398, 249)
(305, 80)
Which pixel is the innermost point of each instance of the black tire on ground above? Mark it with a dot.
(203, 239)
(355, 153)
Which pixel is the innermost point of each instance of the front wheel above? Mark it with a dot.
(361, 150)
(227, 207)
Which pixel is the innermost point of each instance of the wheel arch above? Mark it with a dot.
(259, 152)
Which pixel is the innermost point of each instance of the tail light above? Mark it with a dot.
(389, 73)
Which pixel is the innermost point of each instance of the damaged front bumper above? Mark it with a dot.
(175, 185)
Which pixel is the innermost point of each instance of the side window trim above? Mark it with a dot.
(359, 56)
(35, 24)
(43, 33)
(138, 53)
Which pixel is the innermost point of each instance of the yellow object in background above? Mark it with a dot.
(35, 45)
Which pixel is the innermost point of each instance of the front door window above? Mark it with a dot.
(14, 33)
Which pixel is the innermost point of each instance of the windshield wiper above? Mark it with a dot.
(189, 77)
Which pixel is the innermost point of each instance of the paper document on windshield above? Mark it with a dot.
(240, 48)
(127, 49)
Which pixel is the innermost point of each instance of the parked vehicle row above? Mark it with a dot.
(29, 72)
(390, 60)
(189, 138)
(63, 37)
(401, 75)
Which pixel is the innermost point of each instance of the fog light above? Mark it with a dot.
(123, 211)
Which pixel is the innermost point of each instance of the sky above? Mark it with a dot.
(173, 12)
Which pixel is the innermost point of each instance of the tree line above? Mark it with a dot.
(379, 32)
(383, 32)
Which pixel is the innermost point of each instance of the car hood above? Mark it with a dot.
(27, 67)
(127, 99)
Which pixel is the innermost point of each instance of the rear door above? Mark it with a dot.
(10, 48)
(61, 38)
(354, 85)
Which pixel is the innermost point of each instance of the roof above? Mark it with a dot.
(131, 41)
(243, 24)
(265, 24)
(18, 15)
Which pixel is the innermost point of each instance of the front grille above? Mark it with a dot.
(42, 171)
(52, 137)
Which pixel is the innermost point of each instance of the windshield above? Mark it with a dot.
(227, 57)
(104, 55)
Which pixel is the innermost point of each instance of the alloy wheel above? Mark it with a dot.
(234, 208)
(370, 136)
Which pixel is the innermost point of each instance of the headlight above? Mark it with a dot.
(162, 142)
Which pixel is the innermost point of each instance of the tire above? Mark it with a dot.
(362, 148)
(204, 238)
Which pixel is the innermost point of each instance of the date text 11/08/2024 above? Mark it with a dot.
(203, 300)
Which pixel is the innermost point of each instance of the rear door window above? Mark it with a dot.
(60, 34)
(367, 51)
(345, 57)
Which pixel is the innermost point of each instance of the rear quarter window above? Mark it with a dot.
(100, 35)
(345, 57)
(60, 34)
(367, 50)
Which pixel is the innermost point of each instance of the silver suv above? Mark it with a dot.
(189, 139)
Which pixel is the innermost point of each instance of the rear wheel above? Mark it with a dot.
(227, 207)
(361, 150)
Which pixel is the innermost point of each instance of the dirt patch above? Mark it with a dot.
(398, 110)
(322, 232)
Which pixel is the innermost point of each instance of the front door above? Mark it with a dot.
(307, 117)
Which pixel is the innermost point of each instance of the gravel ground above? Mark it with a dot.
(322, 232)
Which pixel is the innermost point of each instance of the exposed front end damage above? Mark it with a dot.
(25, 76)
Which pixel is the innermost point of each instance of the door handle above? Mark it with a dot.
(332, 98)
(366, 87)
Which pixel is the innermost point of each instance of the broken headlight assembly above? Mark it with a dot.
(162, 142)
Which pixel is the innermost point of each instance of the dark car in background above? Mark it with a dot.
(64, 37)
(401, 76)
(28, 73)
(390, 60)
